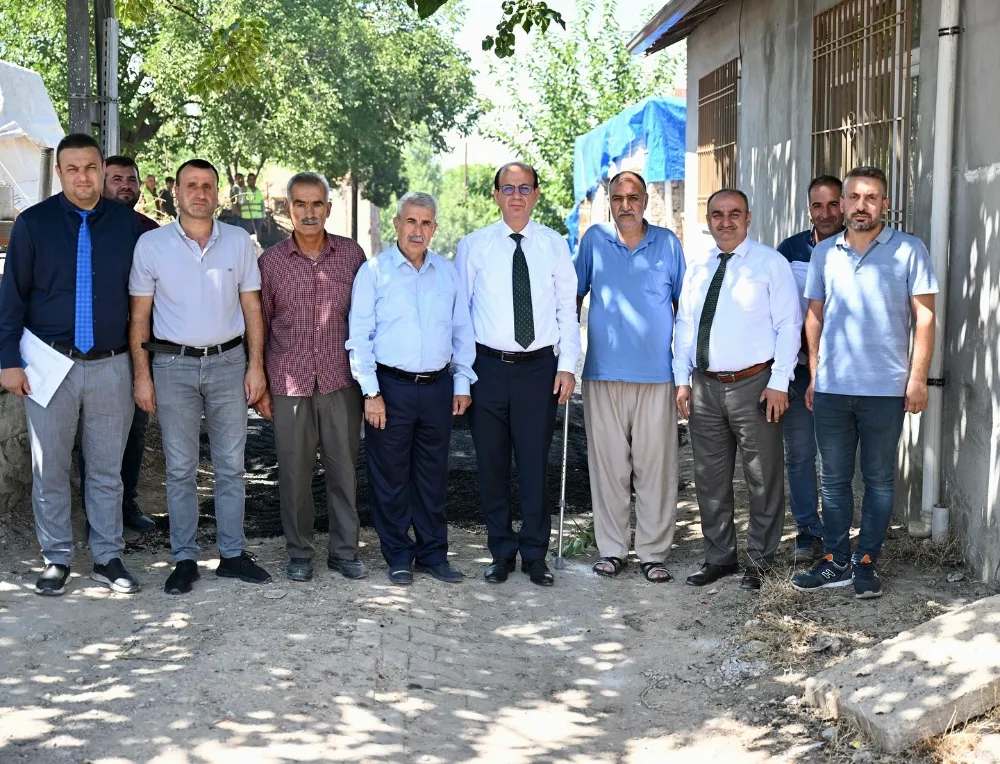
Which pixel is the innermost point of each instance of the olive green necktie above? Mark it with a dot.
(708, 311)
(524, 319)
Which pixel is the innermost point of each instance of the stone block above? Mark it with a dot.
(919, 683)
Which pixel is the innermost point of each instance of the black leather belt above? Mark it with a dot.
(424, 378)
(172, 348)
(508, 357)
(92, 355)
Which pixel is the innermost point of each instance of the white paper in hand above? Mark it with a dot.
(45, 367)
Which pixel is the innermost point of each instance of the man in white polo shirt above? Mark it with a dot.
(199, 280)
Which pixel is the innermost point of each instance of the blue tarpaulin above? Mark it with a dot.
(654, 123)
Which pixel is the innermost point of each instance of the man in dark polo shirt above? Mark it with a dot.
(66, 280)
(121, 183)
(800, 434)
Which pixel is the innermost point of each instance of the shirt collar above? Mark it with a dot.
(398, 258)
(70, 207)
(611, 232)
(883, 237)
(293, 246)
(742, 250)
(506, 230)
(211, 239)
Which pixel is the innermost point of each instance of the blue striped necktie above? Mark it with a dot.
(84, 329)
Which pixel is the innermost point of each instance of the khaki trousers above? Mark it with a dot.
(632, 440)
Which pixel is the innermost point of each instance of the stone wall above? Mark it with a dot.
(16, 523)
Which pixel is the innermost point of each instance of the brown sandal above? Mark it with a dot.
(616, 563)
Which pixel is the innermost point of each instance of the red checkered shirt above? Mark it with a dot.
(306, 304)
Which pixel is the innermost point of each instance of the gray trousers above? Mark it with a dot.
(725, 417)
(96, 396)
(186, 388)
(331, 422)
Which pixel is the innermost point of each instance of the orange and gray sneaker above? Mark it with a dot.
(825, 574)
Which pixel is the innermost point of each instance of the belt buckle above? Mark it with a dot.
(728, 377)
(204, 351)
(503, 357)
(418, 377)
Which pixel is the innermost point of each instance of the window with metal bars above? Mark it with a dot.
(717, 112)
(862, 94)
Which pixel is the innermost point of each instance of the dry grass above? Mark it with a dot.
(922, 554)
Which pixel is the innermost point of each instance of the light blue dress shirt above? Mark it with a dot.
(411, 320)
(630, 325)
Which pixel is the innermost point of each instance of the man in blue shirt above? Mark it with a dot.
(800, 434)
(66, 281)
(412, 349)
(633, 272)
(866, 286)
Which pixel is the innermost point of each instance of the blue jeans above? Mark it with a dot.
(842, 423)
(185, 388)
(800, 457)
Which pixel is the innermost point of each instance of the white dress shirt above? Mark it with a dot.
(757, 317)
(485, 263)
(411, 320)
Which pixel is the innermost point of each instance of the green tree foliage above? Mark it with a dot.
(464, 196)
(527, 14)
(565, 87)
(333, 85)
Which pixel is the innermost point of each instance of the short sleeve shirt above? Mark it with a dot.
(631, 319)
(864, 347)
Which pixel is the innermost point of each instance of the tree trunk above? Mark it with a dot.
(354, 208)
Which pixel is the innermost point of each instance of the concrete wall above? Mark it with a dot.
(773, 160)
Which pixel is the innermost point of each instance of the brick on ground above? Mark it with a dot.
(920, 683)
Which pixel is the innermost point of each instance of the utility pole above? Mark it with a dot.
(465, 175)
(106, 47)
(78, 66)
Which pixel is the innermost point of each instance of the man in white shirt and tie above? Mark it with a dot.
(411, 350)
(520, 283)
(737, 338)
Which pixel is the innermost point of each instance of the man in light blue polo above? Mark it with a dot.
(866, 286)
(633, 272)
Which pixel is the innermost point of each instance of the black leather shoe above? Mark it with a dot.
(185, 574)
(710, 573)
(538, 571)
(442, 572)
(299, 569)
(751, 579)
(400, 576)
(134, 520)
(497, 571)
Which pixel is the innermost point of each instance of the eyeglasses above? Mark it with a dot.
(524, 188)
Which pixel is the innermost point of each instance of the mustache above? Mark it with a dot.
(310, 221)
(415, 239)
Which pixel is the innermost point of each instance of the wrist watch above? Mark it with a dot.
(373, 396)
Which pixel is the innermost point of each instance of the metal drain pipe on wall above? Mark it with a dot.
(932, 511)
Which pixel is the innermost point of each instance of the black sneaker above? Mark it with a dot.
(134, 520)
(244, 568)
(825, 574)
(867, 584)
(185, 574)
(807, 548)
(114, 576)
(53, 580)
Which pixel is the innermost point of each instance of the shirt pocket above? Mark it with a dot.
(656, 286)
(750, 294)
(442, 306)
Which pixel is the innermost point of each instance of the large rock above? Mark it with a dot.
(16, 520)
(920, 683)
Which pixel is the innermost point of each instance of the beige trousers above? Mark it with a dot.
(632, 440)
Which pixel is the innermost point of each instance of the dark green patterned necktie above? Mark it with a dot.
(524, 319)
(708, 311)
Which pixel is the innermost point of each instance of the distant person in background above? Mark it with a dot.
(800, 432)
(149, 196)
(167, 198)
(121, 183)
(237, 198)
(253, 209)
